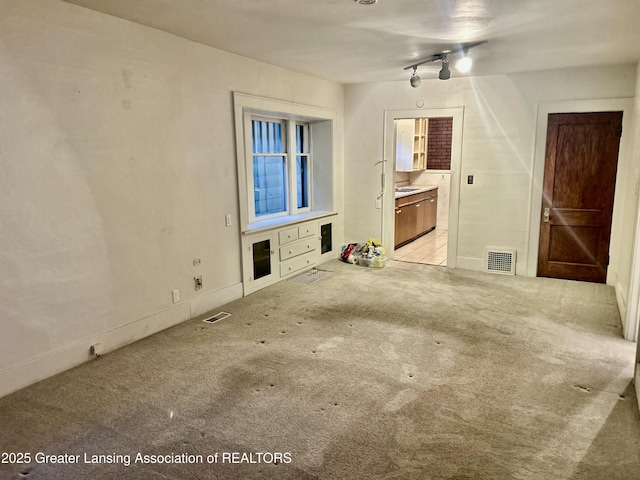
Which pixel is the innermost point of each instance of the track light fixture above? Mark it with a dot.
(445, 73)
(463, 65)
(415, 78)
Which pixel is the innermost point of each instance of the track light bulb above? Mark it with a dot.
(415, 79)
(464, 64)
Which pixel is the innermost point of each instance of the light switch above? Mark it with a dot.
(470, 179)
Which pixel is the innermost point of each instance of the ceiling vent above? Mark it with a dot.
(366, 2)
(501, 261)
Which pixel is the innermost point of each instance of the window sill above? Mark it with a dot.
(265, 225)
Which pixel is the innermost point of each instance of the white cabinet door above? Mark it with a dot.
(259, 261)
(404, 144)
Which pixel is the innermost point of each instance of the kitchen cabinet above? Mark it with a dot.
(415, 215)
(406, 220)
(431, 202)
(411, 144)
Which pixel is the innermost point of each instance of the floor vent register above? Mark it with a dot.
(310, 276)
(217, 317)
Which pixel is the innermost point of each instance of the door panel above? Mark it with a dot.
(563, 245)
(578, 191)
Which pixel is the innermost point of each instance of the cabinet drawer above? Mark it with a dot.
(295, 264)
(409, 199)
(307, 230)
(288, 235)
(296, 249)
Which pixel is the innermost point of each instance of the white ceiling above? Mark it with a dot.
(345, 42)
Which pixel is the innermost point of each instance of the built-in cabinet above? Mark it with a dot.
(415, 215)
(297, 247)
(411, 144)
(274, 254)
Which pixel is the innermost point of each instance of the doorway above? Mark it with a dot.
(578, 191)
(443, 239)
(423, 161)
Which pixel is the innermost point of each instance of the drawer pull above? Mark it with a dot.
(417, 205)
(398, 212)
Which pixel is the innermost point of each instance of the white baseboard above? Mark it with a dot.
(470, 263)
(215, 299)
(622, 306)
(477, 264)
(52, 363)
(636, 384)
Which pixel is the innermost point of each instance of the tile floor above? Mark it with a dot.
(430, 249)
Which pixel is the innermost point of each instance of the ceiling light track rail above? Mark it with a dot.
(463, 65)
(444, 55)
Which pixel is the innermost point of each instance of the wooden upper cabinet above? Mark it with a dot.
(411, 144)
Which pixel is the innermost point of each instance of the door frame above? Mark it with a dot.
(625, 105)
(388, 206)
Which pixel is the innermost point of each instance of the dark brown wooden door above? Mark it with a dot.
(577, 200)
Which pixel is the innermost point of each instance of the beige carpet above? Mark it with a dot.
(406, 372)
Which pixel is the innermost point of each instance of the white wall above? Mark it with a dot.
(498, 148)
(632, 319)
(118, 167)
(441, 180)
(631, 297)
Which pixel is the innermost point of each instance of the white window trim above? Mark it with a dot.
(248, 117)
(269, 108)
(294, 167)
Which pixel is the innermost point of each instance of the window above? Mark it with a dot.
(272, 167)
(285, 154)
(269, 167)
(302, 164)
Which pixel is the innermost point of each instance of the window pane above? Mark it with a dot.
(269, 182)
(303, 180)
(267, 137)
(300, 139)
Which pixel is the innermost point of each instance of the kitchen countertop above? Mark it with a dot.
(414, 190)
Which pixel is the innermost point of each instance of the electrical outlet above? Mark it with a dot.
(198, 282)
(96, 349)
(176, 295)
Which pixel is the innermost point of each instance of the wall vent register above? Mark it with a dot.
(500, 261)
